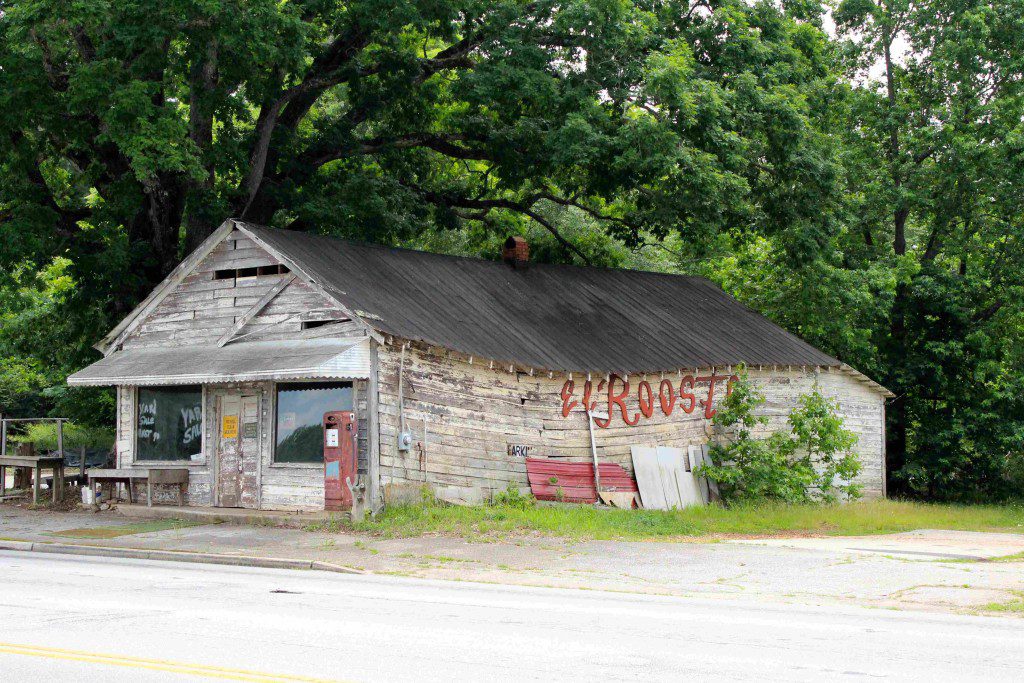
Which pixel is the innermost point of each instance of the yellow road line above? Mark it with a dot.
(151, 664)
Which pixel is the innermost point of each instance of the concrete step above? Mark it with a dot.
(230, 515)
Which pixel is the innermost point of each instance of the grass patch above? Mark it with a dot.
(1014, 606)
(445, 559)
(127, 529)
(366, 546)
(332, 525)
(586, 522)
(1016, 557)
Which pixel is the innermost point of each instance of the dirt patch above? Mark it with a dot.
(125, 529)
(957, 597)
(69, 502)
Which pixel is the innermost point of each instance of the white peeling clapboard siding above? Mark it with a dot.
(199, 311)
(473, 413)
(201, 308)
(282, 318)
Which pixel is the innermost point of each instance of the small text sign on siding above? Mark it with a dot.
(518, 450)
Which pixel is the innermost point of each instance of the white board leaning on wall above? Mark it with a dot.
(665, 476)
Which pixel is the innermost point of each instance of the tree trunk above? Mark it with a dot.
(200, 222)
(896, 447)
(154, 235)
(262, 207)
(896, 422)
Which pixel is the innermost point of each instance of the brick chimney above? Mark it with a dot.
(516, 252)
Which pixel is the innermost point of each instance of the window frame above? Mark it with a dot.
(199, 462)
(274, 463)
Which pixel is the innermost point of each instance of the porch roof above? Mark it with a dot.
(239, 362)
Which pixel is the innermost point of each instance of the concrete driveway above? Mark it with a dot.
(923, 570)
(936, 544)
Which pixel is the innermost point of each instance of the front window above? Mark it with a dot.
(300, 411)
(169, 425)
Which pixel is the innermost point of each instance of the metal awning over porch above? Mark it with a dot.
(240, 362)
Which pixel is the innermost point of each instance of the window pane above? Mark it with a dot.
(170, 423)
(300, 409)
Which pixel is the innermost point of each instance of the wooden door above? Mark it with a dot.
(237, 451)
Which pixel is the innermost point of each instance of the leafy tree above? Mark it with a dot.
(42, 341)
(129, 130)
(935, 164)
(864, 190)
(73, 437)
(917, 282)
(128, 120)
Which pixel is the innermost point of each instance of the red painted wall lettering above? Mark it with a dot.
(645, 397)
(567, 390)
(667, 396)
(668, 399)
(619, 400)
(686, 394)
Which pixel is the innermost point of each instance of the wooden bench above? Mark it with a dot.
(177, 476)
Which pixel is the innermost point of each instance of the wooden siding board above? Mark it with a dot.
(474, 413)
(200, 309)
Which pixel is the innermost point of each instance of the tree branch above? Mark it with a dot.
(324, 73)
(986, 314)
(57, 78)
(327, 71)
(86, 50)
(484, 206)
(67, 218)
(441, 143)
(593, 213)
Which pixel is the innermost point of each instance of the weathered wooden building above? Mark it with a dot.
(454, 368)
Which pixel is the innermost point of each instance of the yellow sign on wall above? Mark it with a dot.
(229, 427)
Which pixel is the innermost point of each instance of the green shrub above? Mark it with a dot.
(44, 436)
(512, 497)
(813, 462)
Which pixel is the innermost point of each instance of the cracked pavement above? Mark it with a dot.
(929, 570)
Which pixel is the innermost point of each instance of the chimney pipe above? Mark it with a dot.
(516, 252)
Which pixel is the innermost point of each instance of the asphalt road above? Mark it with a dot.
(95, 619)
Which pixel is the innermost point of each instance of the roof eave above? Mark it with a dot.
(846, 369)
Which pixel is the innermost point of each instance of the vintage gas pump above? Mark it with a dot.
(339, 458)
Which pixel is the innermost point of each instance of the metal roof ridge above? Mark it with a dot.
(471, 259)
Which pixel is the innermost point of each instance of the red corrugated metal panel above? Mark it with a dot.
(575, 479)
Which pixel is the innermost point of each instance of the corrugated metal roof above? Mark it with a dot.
(239, 362)
(551, 317)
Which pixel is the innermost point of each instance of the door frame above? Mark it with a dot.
(258, 390)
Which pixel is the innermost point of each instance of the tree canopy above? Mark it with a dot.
(854, 174)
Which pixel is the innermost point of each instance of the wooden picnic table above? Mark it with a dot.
(151, 475)
(36, 463)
